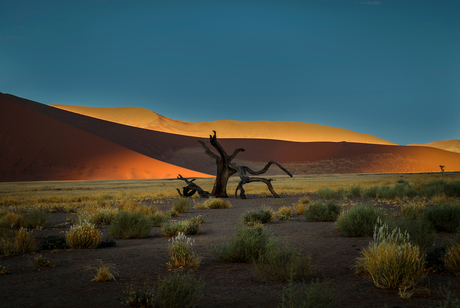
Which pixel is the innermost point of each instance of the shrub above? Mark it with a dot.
(421, 232)
(197, 219)
(247, 246)
(41, 261)
(301, 205)
(3, 270)
(317, 294)
(53, 242)
(326, 193)
(354, 191)
(37, 218)
(358, 221)
(15, 220)
(139, 298)
(412, 210)
(318, 211)
(444, 217)
(216, 203)
(282, 265)
(158, 219)
(5, 228)
(83, 235)
(181, 253)
(284, 213)
(452, 258)
(181, 205)
(179, 290)
(105, 272)
(371, 192)
(133, 206)
(103, 216)
(130, 225)
(24, 241)
(262, 216)
(186, 226)
(391, 260)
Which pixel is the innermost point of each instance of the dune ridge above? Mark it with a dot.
(38, 147)
(452, 145)
(48, 143)
(288, 131)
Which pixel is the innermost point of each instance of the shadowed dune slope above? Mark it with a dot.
(185, 152)
(452, 145)
(289, 131)
(38, 147)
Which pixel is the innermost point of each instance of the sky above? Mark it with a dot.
(389, 68)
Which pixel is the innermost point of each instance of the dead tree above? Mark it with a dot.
(226, 168)
(191, 189)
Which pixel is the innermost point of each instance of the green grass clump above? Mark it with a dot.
(83, 235)
(318, 211)
(187, 227)
(37, 218)
(421, 232)
(262, 216)
(103, 216)
(326, 193)
(354, 191)
(412, 210)
(40, 261)
(130, 225)
(181, 205)
(249, 243)
(282, 264)
(179, 290)
(452, 258)
(444, 217)
(139, 298)
(317, 294)
(22, 241)
(181, 253)
(159, 219)
(392, 261)
(358, 221)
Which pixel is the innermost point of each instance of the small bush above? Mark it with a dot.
(53, 242)
(15, 220)
(318, 211)
(282, 265)
(391, 261)
(37, 218)
(262, 216)
(326, 193)
(216, 203)
(421, 232)
(197, 219)
(412, 210)
(158, 219)
(444, 217)
(284, 213)
(181, 253)
(3, 270)
(105, 272)
(139, 298)
(181, 205)
(247, 246)
(128, 225)
(452, 258)
(103, 216)
(41, 261)
(354, 191)
(317, 294)
(358, 221)
(371, 192)
(24, 241)
(186, 226)
(178, 290)
(83, 235)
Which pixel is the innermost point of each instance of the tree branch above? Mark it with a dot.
(248, 170)
(208, 151)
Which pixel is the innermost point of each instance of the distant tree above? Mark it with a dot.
(442, 168)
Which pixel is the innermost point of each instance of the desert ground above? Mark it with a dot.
(140, 263)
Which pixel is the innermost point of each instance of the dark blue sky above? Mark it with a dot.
(389, 68)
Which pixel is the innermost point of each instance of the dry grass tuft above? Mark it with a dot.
(181, 253)
(452, 258)
(105, 272)
(41, 261)
(83, 235)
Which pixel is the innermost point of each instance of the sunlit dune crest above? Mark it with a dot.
(38, 147)
(289, 131)
(452, 145)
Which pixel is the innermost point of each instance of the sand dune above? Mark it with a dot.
(38, 147)
(47, 143)
(452, 145)
(289, 131)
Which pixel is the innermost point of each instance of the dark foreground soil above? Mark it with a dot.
(141, 262)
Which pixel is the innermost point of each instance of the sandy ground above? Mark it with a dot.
(141, 262)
